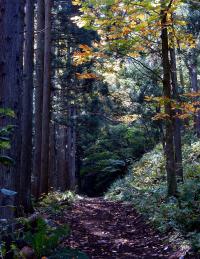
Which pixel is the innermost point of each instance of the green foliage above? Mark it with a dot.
(115, 146)
(5, 143)
(56, 197)
(145, 187)
(111, 153)
(195, 240)
(5, 137)
(40, 234)
(44, 239)
(104, 143)
(7, 112)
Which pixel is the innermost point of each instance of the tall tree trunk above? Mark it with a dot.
(73, 181)
(11, 75)
(182, 83)
(26, 155)
(39, 70)
(169, 147)
(62, 158)
(192, 66)
(52, 158)
(46, 100)
(186, 121)
(71, 147)
(177, 122)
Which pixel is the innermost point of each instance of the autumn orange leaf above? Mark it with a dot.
(86, 76)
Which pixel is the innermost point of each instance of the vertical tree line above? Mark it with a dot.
(38, 95)
(43, 139)
(11, 85)
(27, 104)
(167, 93)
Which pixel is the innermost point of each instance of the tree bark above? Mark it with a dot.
(46, 101)
(62, 159)
(52, 158)
(39, 70)
(182, 83)
(71, 147)
(26, 155)
(192, 66)
(11, 78)
(169, 146)
(177, 122)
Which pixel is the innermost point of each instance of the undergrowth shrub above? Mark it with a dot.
(44, 238)
(56, 201)
(40, 234)
(145, 187)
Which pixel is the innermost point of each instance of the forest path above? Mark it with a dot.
(105, 229)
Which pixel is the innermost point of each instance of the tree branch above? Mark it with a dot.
(149, 69)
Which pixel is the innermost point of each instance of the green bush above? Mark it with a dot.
(44, 238)
(56, 201)
(145, 187)
(5, 133)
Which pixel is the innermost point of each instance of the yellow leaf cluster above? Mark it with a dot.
(192, 94)
(182, 116)
(128, 118)
(86, 76)
(161, 116)
(76, 2)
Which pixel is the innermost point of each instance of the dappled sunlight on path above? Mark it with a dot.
(105, 229)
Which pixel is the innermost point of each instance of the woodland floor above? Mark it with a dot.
(104, 229)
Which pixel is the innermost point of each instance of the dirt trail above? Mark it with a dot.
(104, 229)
